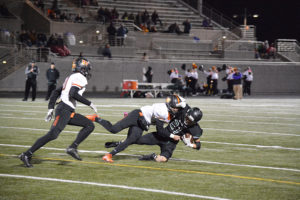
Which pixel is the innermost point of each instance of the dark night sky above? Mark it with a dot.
(277, 19)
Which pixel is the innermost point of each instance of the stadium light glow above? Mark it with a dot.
(255, 16)
(235, 16)
(224, 37)
(4, 62)
(97, 31)
(81, 42)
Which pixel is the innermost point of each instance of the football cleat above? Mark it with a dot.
(108, 158)
(73, 152)
(111, 144)
(148, 157)
(93, 117)
(25, 159)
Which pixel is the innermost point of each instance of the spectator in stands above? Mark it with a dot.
(32, 36)
(187, 26)
(149, 74)
(4, 11)
(107, 15)
(237, 84)
(145, 57)
(205, 22)
(52, 15)
(214, 78)
(101, 15)
(40, 4)
(121, 33)
(138, 19)
(248, 78)
(106, 51)
(78, 19)
(55, 8)
(131, 17)
(25, 39)
(114, 14)
(31, 72)
(125, 16)
(94, 3)
(155, 18)
(174, 28)
(52, 75)
(63, 17)
(111, 30)
(271, 51)
(145, 17)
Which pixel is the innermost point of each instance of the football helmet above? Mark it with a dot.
(82, 66)
(174, 103)
(193, 115)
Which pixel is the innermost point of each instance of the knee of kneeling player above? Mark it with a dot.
(91, 126)
(160, 158)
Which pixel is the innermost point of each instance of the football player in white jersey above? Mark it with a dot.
(139, 120)
(70, 92)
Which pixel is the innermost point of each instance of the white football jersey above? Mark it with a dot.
(156, 111)
(77, 80)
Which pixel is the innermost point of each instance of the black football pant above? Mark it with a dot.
(167, 145)
(30, 83)
(51, 87)
(64, 115)
(134, 132)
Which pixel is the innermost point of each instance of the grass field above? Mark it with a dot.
(250, 150)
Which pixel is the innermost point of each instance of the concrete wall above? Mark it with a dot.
(269, 78)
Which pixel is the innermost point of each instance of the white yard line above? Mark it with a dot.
(220, 121)
(177, 159)
(110, 186)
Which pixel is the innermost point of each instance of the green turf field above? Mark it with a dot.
(250, 150)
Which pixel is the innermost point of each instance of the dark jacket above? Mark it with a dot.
(52, 75)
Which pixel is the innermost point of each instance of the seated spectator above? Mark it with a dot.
(94, 3)
(155, 18)
(205, 22)
(78, 19)
(114, 14)
(106, 51)
(32, 36)
(107, 15)
(153, 29)
(125, 16)
(138, 19)
(63, 17)
(174, 28)
(25, 39)
(52, 15)
(131, 16)
(187, 26)
(145, 17)
(55, 7)
(56, 44)
(271, 51)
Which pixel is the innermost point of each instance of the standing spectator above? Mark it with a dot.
(131, 17)
(205, 22)
(106, 51)
(78, 19)
(145, 57)
(125, 16)
(208, 81)
(107, 15)
(31, 72)
(214, 78)
(229, 78)
(187, 26)
(237, 84)
(271, 51)
(101, 15)
(52, 75)
(138, 19)
(41, 39)
(155, 18)
(121, 33)
(194, 78)
(111, 30)
(114, 14)
(145, 17)
(149, 75)
(248, 78)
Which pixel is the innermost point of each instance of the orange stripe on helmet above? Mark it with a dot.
(77, 85)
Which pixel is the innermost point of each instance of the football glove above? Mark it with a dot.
(187, 141)
(49, 115)
(93, 107)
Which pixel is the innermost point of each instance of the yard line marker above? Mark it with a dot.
(176, 159)
(171, 170)
(111, 186)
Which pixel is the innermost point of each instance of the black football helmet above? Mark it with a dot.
(82, 66)
(193, 116)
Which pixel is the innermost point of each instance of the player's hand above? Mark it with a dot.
(93, 107)
(176, 137)
(49, 115)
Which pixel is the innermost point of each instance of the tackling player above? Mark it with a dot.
(70, 92)
(186, 121)
(139, 120)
